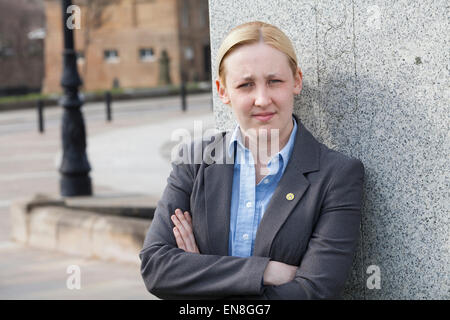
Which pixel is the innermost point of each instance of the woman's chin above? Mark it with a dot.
(267, 126)
(267, 131)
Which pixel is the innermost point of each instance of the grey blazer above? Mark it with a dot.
(317, 230)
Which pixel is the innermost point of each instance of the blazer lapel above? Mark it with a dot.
(218, 184)
(304, 158)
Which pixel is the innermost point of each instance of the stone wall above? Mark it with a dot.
(376, 88)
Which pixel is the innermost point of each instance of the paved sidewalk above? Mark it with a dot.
(128, 156)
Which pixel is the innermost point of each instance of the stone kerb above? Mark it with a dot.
(51, 224)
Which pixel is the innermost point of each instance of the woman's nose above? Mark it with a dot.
(262, 97)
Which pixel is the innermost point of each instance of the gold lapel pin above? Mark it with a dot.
(290, 196)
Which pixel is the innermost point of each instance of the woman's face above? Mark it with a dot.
(260, 88)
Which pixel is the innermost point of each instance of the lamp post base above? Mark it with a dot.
(75, 186)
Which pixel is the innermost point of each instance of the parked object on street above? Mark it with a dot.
(40, 110)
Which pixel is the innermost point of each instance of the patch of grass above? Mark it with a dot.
(102, 92)
(25, 97)
(116, 91)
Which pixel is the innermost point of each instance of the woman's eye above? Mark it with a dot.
(249, 84)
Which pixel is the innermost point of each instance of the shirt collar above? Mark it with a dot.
(285, 153)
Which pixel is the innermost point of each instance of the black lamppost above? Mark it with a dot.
(75, 180)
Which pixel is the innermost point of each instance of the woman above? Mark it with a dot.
(277, 223)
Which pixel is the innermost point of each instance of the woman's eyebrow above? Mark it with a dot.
(250, 78)
(246, 78)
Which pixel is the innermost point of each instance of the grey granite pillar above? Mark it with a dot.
(376, 87)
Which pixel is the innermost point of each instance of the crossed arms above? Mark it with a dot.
(275, 274)
(173, 267)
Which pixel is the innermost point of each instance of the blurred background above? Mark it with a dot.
(104, 114)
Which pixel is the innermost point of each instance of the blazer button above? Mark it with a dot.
(290, 196)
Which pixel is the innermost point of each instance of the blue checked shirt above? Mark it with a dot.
(249, 201)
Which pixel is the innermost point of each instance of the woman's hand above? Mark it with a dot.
(278, 273)
(183, 231)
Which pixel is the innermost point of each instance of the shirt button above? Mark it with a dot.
(249, 204)
(245, 236)
(266, 181)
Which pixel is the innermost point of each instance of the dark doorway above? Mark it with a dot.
(207, 61)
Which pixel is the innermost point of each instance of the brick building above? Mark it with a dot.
(120, 43)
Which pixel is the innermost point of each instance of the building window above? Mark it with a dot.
(188, 53)
(80, 57)
(6, 52)
(6, 49)
(147, 55)
(203, 13)
(185, 14)
(207, 59)
(111, 56)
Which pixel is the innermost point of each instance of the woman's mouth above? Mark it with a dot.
(264, 116)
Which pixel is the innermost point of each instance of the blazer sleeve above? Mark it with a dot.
(327, 261)
(171, 273)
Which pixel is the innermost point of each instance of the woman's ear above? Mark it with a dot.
(222, 92)
(298, 81)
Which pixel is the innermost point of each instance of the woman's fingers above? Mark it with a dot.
(179, 239)
(184, 241)
(186, 224)
(188, 218)
(183, 222)
(180, 234)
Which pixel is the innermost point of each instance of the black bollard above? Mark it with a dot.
(40, 110)
(108, 105)
(183, 96)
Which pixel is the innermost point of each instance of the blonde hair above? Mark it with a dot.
(255, 32)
